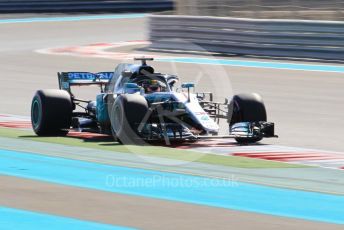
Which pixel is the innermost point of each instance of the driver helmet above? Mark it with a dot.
(152, 86)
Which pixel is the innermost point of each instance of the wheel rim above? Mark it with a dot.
(36, 113)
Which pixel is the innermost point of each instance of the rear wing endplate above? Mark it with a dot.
(68, 79)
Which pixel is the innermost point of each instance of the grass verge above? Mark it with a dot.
(154, 151)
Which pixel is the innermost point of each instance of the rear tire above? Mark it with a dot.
(51, 112)
(248, 108)
(127, 113)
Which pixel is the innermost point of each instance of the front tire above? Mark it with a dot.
(248, 108)
(127, 112)
(51, 112)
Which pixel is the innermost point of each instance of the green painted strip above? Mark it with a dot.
(162, 152)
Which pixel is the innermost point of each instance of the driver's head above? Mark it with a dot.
(152, 86)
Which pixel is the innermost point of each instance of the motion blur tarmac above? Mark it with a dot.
(307, 107)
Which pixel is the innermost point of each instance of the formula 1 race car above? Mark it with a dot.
(136, 105)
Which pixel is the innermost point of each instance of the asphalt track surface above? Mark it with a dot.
(307, 107)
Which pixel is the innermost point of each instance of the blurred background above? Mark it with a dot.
(277, 9)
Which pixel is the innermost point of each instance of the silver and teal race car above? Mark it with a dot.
(137, 105)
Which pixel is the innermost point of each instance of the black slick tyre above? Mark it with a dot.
(248, 108)
(127, 112)
(51, 112)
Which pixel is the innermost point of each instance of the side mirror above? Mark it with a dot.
(131, 88)
(188, 86)
(131, 85)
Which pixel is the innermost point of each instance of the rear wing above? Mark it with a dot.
(68, 79)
